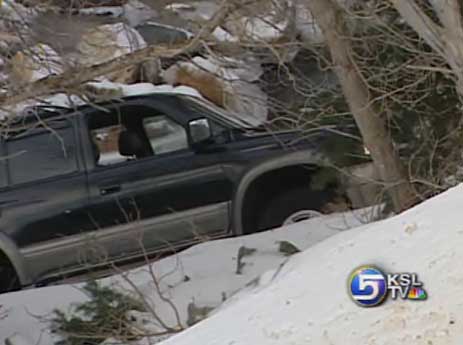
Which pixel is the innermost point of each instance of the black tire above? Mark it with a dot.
(9, 280)
(282, 206)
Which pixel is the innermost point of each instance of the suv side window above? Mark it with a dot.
(164, 134)
(133, 132)
(41, 153)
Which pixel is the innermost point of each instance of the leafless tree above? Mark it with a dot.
(441, 26)
(331, 19)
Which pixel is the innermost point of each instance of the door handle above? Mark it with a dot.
(110, 189)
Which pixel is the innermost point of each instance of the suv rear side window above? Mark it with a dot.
(41, 153)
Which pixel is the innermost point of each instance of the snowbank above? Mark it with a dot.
(210, 268)
(309, 304)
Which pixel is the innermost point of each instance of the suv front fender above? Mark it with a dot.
(288, 160)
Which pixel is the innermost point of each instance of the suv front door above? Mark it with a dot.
(146, 191)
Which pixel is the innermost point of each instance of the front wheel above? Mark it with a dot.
(9, 280)
(290, 207)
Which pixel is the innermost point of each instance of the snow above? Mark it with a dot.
(194, 10)
(139, 89)
(136, 12)
(224, 36)
(179, 6)
(210, 268)
(308, 302)
(227, 68)
(42, 61)
(57, 100)
(263, 29)
(305, 23)
(122, 90)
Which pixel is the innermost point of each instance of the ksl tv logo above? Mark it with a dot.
(369, 286)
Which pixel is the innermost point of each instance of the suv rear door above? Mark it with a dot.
(42, 200)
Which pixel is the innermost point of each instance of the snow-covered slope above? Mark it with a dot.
(309, 304)
(210, 267)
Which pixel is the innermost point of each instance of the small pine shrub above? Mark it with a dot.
(93, 321)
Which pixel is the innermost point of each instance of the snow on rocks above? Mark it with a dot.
(305, 24)
(136, 12)
(204, 274)
(56, 100)
(107, 42)
(11, 10)
(194, 11)
(35, 63)
(258, 28)
(226, 82)
(308, 302)
(133, 12)
(224, 36)
(100, 90)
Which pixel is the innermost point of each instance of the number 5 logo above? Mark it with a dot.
(367, 286)
(369, 281)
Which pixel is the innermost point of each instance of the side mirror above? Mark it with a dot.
(200, 131)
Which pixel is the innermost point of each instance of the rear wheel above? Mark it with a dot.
(9, 280)
(291, 206)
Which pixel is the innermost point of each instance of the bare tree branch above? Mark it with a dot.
(75, 77)
(431, 32)
(446, 40)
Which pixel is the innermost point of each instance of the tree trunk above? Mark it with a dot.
(330, 17)
(445, 39)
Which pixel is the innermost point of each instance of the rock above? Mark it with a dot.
(14, 11)
(156, 33)
(150, 71)
(257, 29)
(196, 314)
(38, 62)
(17, 339)
(224, 36)
(242, 253)
(270, 28)
(107, 42)
(194, 11)
(287, 248)
(136, 12)
(306, 26)
(227, 83)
